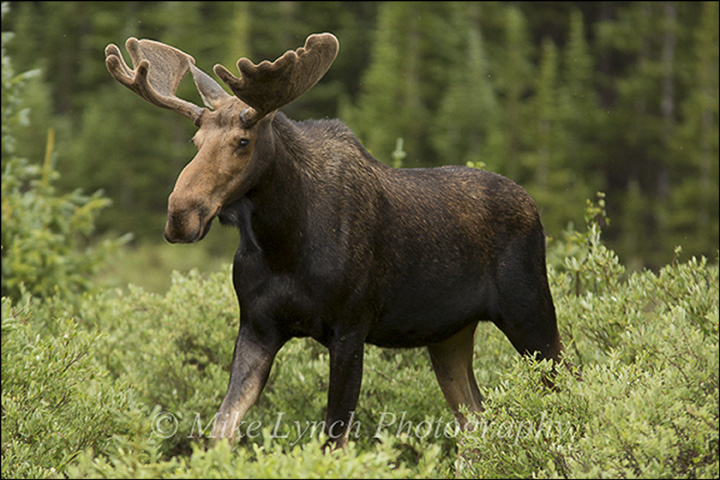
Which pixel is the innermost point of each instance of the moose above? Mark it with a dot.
(337, 246)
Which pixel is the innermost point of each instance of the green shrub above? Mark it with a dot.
(647, 345)
(262, 461)
(648, 405)
(56, 398)
(174, 349)
(46, 236)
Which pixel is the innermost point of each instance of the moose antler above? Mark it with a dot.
(269, 86)
(158, 70)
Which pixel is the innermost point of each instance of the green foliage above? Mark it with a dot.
(262, 461)
(391, 85)
(57, 399)
(648, 403)
(45, 235)
(130, 386)
(468, 114)
(582, 257)
(174, 351)
(179, 347)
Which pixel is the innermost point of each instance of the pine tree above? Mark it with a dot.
(388, 104)
(469, 108)
(694, 215)
(547, 163)
(400, 98)
(579, 102)
(641, 43)
(514, 81)
(547, 151)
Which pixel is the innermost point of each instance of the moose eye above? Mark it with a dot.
(243, 143)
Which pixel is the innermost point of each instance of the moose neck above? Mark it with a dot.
(315, 174)
(272, 212)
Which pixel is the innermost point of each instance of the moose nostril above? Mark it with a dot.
(181, 233)
(171, 231)
(168, 237)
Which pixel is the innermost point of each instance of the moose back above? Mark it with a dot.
(337, 246)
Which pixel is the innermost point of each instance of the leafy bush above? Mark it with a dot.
(175, 349)
(648, 405)
(45, 235)
(57, 400)
(160, 359)
(262, 461)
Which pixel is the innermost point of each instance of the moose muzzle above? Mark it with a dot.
(188, 221)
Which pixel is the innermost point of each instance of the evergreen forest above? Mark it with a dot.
(566, 98)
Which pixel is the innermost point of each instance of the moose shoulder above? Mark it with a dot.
(337, 246)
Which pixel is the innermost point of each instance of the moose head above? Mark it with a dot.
(226, 164)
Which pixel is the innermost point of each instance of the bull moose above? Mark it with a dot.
(336, 245)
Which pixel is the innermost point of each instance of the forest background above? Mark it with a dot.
(565, 98)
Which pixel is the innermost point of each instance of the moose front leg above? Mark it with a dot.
(252, 359)
(346, 362)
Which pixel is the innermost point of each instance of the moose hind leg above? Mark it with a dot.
(527, 318)
(529, 322)
(452, 362)
(524, 301)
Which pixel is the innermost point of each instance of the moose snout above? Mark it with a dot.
(174, 234)
(177, 230)
(188, 221)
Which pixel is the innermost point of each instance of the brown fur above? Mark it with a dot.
(339, 247)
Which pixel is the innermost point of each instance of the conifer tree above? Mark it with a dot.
(547, 160)
(694, 216)
(579, 102)
(390, 106)
(469, 108)
(514, 73)
(641, 118)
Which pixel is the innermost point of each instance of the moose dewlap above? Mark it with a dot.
(337, 246)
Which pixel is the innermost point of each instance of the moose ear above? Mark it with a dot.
(213, 95)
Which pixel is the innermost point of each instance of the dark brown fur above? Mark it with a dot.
(344, 249)
(339, 247)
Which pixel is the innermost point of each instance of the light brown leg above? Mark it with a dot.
(452, 363)
(252, 360)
